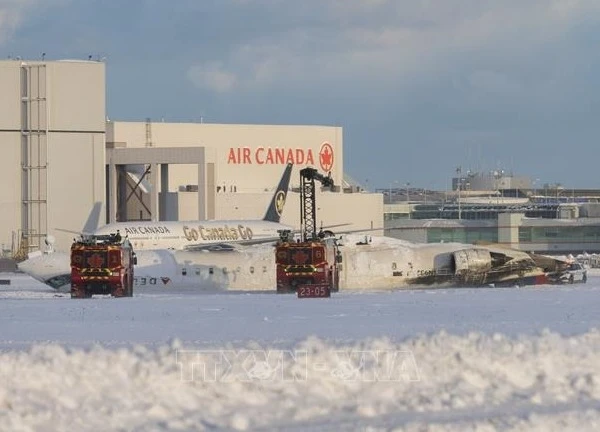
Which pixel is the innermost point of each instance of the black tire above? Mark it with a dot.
(78, 292)
(129, 291)
(571, 279)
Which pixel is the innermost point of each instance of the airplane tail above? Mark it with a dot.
(93, 219)
(276, 207)
(91, 224)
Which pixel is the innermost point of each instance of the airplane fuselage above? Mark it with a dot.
(181, 235)
(379, 263)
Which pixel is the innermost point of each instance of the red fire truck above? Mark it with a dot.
(310, 267)
(102, 265)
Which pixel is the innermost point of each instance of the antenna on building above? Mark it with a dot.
(43, 56)
(148, 132)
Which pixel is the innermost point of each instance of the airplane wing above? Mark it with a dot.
(548, 263)
(211, 247)
(354, 231)
(228, 247)
(324, 227)
(69, 231)
(509, 265)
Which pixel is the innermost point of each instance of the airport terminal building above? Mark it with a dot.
(498, 207)
(61, 155)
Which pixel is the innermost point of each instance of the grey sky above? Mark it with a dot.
(419, 86)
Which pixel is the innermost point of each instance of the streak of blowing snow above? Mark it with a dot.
(440, 382)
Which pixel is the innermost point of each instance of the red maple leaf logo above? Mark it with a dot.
(326, 156)
(95, 261)
(300, 257)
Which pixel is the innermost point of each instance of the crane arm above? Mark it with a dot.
(308, 217)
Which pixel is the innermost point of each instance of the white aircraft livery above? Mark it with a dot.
(207, 234)
(366, 263)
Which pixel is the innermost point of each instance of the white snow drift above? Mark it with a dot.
(448, 380)
(414, 360)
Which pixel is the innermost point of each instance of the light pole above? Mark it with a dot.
(559, 189)
(459, 184)
(390, 191)
(408, 198)
(535, 189)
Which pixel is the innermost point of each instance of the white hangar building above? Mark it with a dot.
(52, 130)
(61, 155)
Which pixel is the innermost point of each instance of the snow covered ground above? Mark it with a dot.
(507, 359)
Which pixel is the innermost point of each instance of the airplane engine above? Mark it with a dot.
(472, 265)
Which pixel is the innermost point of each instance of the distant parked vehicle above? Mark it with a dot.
(575, 273)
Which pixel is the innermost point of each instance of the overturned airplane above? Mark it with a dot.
(367, 262)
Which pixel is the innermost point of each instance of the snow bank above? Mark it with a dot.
(439, 382)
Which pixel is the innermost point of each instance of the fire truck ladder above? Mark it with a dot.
(308, 217)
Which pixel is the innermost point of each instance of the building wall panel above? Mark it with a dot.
(241, 152)
(75, 182)
(10, 102)
(77, 96)
(10, 192)
(61, 108)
